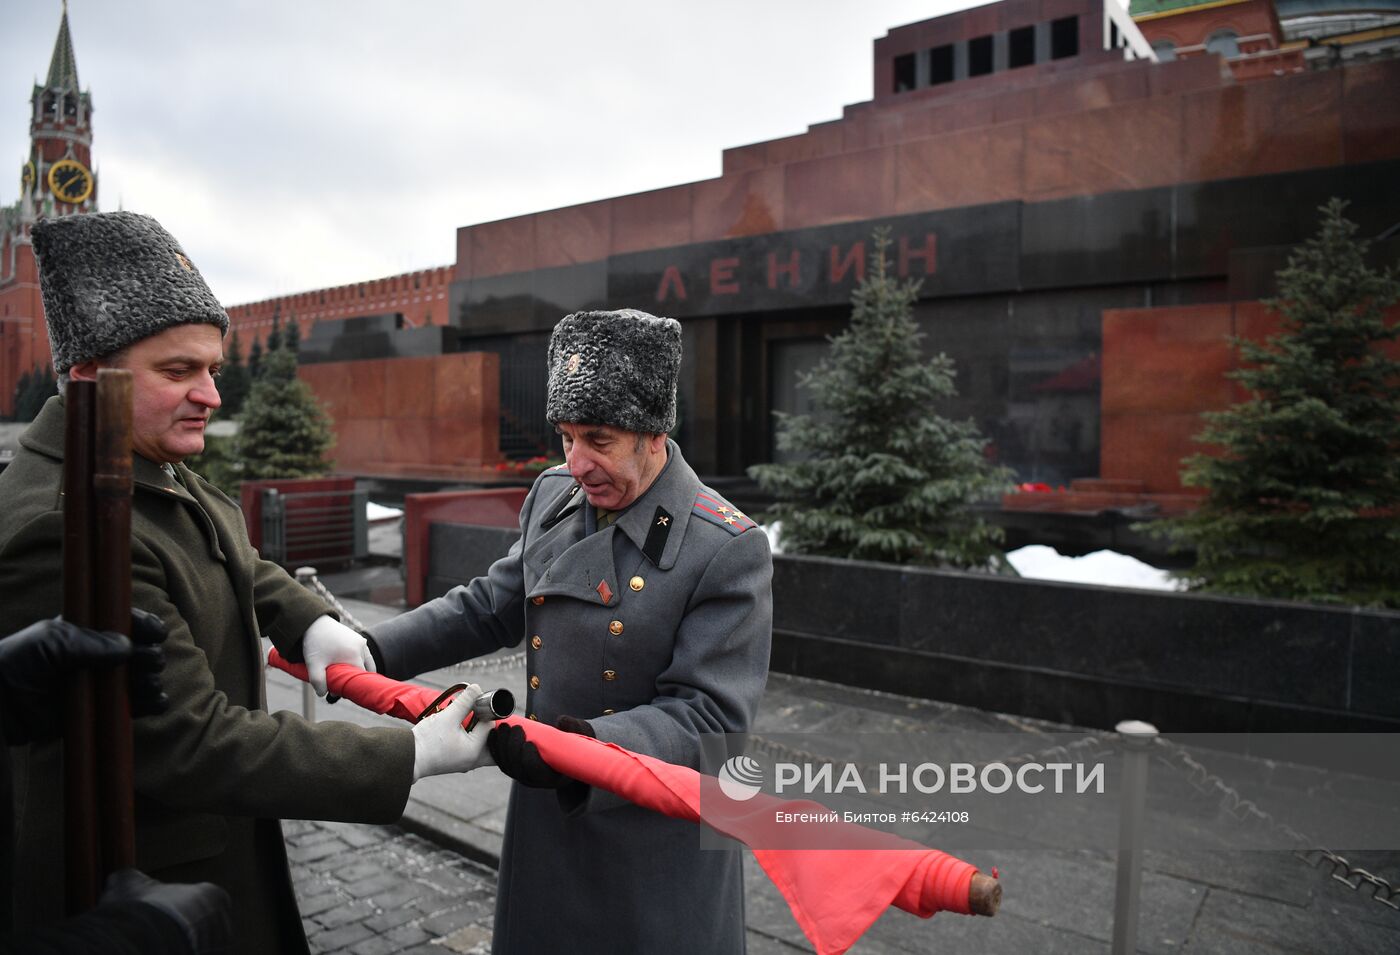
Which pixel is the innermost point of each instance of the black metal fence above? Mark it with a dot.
(325, 527)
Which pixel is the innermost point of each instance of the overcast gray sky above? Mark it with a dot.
(295, 145)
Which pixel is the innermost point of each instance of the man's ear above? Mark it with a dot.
(85, 370)
(656, 442)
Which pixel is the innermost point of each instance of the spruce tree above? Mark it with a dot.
(274, 337)
(881, 475)
(233, 379)
(35, 388)
(21, 397)
(291, 339)
(283, 432)
(1304, 495)
(255, 360)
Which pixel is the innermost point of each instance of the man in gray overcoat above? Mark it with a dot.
(645, 603)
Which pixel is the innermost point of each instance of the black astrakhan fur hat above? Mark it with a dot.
(615, 368)
(111, 279)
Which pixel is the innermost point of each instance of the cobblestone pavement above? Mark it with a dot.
(377, 890)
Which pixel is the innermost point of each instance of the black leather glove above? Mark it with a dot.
(520, 759)
(572, 724)
(147, 661)
(202, 911)
(33, 665)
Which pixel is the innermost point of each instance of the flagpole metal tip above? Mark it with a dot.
(494, 704)
(984, 895)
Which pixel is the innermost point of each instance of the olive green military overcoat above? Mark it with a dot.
(216, 772)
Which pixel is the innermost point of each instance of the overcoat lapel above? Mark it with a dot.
(563, 560)
(148, 476)
(548, 539)
(583, 570)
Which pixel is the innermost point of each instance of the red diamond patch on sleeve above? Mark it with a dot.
(604, 591)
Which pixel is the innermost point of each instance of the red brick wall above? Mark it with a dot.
(421, 296)
(24, 338)
(1194, 27)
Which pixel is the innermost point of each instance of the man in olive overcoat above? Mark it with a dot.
(644, 600)
(216, 771)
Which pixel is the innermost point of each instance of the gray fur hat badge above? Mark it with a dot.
(111, 279)
(615, 368)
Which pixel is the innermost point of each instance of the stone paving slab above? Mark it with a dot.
(1057, 898)
(383, 890)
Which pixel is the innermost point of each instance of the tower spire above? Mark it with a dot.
(63, 68)
(60, 134)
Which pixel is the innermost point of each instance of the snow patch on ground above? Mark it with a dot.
(772, 532)
(378, 512)
(1103, 567)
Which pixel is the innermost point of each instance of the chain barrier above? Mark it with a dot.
(1247, 811)
(489, 663)
(1098, 747)
(307, 577)
(1176, 757)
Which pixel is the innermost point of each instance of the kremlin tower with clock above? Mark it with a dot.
(56, 179)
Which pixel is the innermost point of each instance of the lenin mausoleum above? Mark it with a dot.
(1094, 199)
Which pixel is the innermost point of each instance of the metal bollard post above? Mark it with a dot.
(1137, 738)
(308, 696)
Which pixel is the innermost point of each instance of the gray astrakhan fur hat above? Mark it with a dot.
(615, 368)
(111, 279)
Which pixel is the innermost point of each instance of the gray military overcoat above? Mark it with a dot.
(656, 630)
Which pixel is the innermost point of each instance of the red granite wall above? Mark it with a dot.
(492, 507)
(1162, 368)
(435, 416)
(1115, 125)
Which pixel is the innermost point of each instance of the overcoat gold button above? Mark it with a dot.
(615, 627)
(536, 642)
(610, 674)
(534, 717)
(608, 712)
(536, 600)
(636, 583)
(534, 683)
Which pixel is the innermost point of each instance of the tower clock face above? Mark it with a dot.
(27, 176)
(70, 181)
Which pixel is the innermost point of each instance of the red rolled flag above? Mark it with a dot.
(376, 693)
(834, 893)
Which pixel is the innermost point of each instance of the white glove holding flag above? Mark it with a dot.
(329, 641)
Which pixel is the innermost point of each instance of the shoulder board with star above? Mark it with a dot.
(709, 506)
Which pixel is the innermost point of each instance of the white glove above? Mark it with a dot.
(329, 641)
(440, 745)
